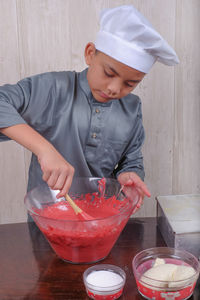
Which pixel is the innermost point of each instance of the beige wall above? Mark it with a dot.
(45, 35)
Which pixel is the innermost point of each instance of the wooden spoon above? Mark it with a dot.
(78, 211)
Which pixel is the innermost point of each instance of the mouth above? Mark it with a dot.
(103, 95)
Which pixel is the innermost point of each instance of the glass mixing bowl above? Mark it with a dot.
(82, 241)
(159, 289)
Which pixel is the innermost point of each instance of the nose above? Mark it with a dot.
(114, 88)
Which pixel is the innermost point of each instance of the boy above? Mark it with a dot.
(88, 123)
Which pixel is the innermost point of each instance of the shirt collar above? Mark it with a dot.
(84, 83)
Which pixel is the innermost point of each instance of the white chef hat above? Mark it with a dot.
(128, 37)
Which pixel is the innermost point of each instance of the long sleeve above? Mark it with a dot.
(27, 102)
(12, 102)
(132, 159)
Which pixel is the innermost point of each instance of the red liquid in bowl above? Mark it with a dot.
(83, 241)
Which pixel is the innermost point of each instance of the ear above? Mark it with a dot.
(89, 53)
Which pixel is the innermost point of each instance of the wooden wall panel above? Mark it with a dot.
(186, 172)
(13, 184)
(44, 35)
(9, 52)
(12, 168)
(51, 35)
(157, 96)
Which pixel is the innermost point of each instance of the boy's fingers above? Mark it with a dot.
(46, 176)
(52, 180)
(60, 182)
(139, 204)
(143, 188)
(139, 183)
(66, 186)
(130, 178)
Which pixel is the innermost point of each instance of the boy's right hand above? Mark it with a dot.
(57, 172)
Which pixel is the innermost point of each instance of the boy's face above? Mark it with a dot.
(108, 78)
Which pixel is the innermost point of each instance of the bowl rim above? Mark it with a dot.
(33, 213)
(136, 273)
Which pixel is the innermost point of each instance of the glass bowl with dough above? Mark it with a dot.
(165, 273)
(74, 239)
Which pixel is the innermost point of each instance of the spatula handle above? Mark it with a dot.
(73, 204)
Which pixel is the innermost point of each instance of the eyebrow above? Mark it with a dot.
(114, 71)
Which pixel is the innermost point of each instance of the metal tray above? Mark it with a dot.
(178, 219)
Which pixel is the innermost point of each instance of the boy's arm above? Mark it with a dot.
(130, 170)
(57, 172)
(32, 101)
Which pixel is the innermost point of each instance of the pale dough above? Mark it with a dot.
(167, 275)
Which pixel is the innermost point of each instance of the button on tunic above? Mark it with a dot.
(97, 139)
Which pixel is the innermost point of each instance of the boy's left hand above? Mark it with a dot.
(131, 179)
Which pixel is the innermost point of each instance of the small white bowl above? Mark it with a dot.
(104, 281)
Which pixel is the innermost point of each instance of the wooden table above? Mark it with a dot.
(29, 269)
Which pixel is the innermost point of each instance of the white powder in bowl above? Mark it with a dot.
(104, 278)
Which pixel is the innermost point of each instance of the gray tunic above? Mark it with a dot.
(97, 139)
